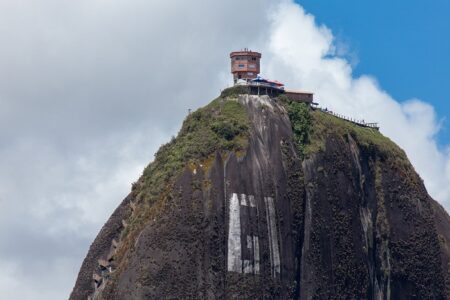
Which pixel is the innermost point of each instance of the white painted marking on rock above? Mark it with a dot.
(234, 236)
(235, 260)
(273, 236)
(248, 268)
(256, 254)
(251, 200)
(244, 200)
(249, 242)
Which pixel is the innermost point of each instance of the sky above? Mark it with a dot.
(90, 89)
(402, 43)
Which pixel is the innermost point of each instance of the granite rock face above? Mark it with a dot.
(348, 221)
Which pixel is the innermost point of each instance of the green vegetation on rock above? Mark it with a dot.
(312, 129)
(370, 141)
(301, 124)
(234, 91)
(223, 126)
(325, 125)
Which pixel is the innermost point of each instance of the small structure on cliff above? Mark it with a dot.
(245, 64)
(299, 96)
(245, 67)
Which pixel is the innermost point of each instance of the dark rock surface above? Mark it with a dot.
(100, 250)
(348, 222)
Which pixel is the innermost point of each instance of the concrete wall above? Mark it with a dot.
(300, 97)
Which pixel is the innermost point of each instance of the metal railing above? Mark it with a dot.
(361, 123)
(260, 84)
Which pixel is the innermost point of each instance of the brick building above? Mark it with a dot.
(245, 64)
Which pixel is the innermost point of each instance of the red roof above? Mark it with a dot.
(276, 82)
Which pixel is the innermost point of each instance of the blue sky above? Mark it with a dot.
(404, 44)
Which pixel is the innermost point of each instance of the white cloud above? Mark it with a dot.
(302, 54)
(89, 89)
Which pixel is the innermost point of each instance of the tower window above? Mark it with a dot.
(241, 66)
(253, 58)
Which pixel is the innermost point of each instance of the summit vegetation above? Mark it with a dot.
(222, 126)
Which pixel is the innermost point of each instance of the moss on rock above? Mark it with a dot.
(301, 124)
(222, 125)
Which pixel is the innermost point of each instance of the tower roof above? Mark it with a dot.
(245, 52)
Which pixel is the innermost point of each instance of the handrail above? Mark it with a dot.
(263, 84)
(361, 123)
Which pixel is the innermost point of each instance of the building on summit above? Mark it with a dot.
(245, 67)
(245, 64)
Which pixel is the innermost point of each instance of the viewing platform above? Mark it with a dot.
(272, 88)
